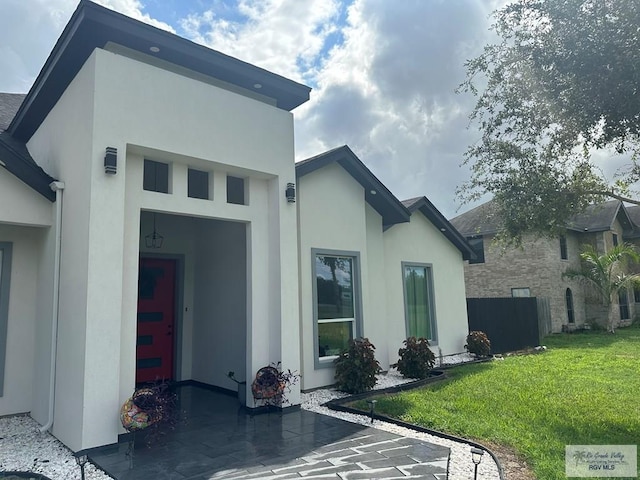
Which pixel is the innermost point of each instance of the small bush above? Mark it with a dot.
(478, 344)
(416, 358)
(357, 367)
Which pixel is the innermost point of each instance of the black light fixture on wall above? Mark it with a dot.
(111, 161)
(290, 192)
(154, 239)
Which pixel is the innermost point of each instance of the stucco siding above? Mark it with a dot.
(148, 112)
(21, 204)
(26, 247)
(420, 242)
(331, 216)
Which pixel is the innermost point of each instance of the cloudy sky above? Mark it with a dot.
(383, 72)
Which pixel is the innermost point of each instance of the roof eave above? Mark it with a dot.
(92, 26)
(383, 201)
(29, 174)
(429, 210)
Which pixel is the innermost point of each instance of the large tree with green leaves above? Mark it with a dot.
(606, 275)
(561, 82)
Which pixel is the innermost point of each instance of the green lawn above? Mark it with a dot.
(584, 390)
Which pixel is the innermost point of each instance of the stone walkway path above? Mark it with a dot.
(220, 442)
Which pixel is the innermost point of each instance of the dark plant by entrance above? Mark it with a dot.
(272, 383)
(357, 367)
(416, 358)
(151, 408)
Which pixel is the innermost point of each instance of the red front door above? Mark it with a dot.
(156, 319)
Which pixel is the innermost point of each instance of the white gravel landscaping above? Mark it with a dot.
(24, 448)
(460, 466)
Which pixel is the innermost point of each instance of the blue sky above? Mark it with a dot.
(383, 72)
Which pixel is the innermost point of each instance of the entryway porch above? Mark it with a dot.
(218, 440)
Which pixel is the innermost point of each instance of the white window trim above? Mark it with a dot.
(327, 362)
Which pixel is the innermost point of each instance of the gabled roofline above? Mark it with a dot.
(428, 209)
(93, 26)
(620, 208)
(20, 164)
(375, 193)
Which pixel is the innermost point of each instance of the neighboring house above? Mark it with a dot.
(148, 230)
(536, 268)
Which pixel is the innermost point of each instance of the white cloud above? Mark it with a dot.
(383, 72)
(133, 9)
(283, 36)
(29, 30)
(388, 91)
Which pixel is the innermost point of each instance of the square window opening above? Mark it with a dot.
(198, 184)
(520, 292)
(236, 190)
(155, 176)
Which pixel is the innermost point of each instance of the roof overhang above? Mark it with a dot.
(376, 194)
(15, 158)
(93, 26)
(428, 209)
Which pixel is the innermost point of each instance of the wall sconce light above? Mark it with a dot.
(111, 161)
(476, 458)
(81, 460)
(290, 193)
(154, 240)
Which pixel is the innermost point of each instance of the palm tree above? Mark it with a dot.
(605, 275)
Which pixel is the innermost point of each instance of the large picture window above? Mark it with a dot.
(5, 271)
(336, 302)
(418, 301)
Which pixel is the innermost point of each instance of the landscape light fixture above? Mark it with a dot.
(154, 239)
(81, 459)
(372, 407)
(476, 458)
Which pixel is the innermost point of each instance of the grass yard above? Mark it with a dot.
(584, 390)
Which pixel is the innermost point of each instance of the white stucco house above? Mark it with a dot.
(148, 230)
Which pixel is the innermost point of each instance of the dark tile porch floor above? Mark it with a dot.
(220, 441)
